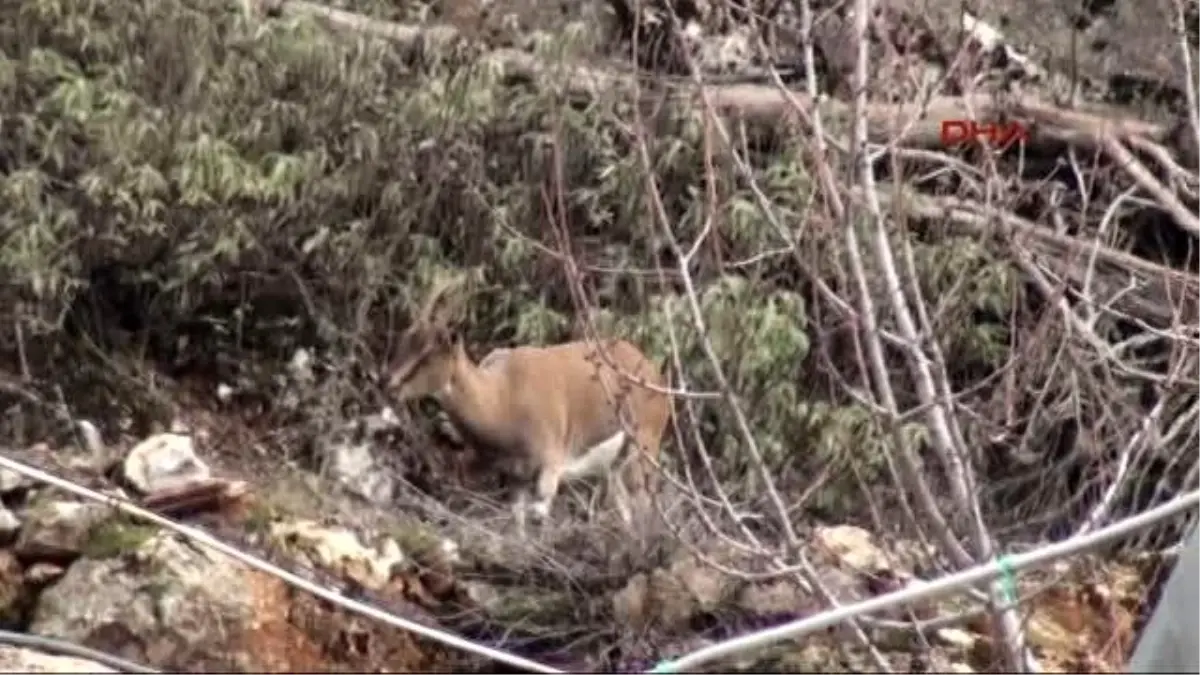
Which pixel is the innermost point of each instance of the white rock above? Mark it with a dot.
(160, 589)
(300, 366)
(385, 420)
(450, 550)
(355, 466)
(92, 439)
(11, 481)
(956, 637)
(9, 524)
(853, 546)
(164, 461)
(388, 416)
(340, 549)
(57, 529)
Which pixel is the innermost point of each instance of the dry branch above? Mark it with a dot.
(1160, 296)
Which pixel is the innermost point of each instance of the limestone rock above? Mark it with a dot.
(162, 462)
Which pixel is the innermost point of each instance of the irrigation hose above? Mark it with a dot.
(64, 648)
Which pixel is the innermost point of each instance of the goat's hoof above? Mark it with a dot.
(539, 511)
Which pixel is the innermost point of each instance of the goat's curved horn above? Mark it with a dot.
(435, 307)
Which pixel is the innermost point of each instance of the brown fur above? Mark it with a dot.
(539, 408)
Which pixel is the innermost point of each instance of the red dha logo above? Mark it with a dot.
(996, 134)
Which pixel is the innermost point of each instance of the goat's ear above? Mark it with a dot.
(442, 302)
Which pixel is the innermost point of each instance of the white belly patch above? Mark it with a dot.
(597, 459)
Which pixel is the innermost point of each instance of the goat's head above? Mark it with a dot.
(426, 353)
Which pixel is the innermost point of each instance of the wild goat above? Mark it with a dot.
(547, 414)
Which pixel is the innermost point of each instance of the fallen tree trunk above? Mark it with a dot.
(905, 124)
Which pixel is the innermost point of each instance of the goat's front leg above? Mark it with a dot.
(548, 479)
(620, 497)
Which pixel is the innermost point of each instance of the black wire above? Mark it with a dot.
(64, 648)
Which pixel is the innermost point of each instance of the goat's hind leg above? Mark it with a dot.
(520, 511)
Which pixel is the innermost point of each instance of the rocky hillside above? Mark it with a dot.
(83, 572)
